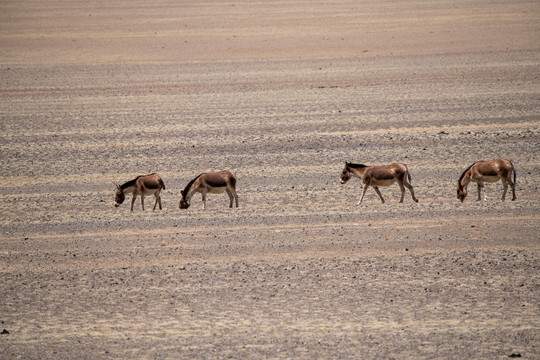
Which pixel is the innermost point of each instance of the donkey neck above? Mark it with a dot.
(358, 172)
(465, 179)
(128, 188)
(191, 189)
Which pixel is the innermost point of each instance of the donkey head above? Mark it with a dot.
(345, 174)
(461, 192)
(119, 197)
(183, 201)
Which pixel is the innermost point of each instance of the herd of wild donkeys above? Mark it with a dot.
(480, 172)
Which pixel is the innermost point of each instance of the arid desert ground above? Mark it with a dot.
(283, 94)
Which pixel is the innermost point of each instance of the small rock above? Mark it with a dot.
(4, 332)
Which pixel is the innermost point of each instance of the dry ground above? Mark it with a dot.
(282, 94)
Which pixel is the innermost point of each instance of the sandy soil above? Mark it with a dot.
(283, 95)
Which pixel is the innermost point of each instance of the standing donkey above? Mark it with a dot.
(487, 171)
(376, 176)
(142, 185)
(214, 183)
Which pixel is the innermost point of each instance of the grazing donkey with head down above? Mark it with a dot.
(214, 183)
(487, 171)
(376, 176)
(142, 185)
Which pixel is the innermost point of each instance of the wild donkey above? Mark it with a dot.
(487, 171)
(376, 176)
(142, 185)
(214, 183)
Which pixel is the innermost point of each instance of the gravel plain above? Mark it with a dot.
(282, 95)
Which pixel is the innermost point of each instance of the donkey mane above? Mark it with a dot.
(356, 166)
(188, 186)
(132, 182)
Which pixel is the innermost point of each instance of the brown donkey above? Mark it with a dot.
(142, 185)
(487, 171)
(214, 183)
(376, 176)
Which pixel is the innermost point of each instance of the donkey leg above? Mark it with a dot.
(410, 187)
(231, 198)
(235, 197)
(133, 201)
(142, 201)
(159, 198)
(380, 195)
(402, 188)
(505, 189)
(156, 202)
(204, 199)
(232, 189)
(513, 185)
(480, 186)
(363, 194)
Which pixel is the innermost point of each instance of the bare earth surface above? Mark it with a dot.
(282, 94)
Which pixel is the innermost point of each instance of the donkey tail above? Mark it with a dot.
(162, 183)
(514, 170)
(408, 173)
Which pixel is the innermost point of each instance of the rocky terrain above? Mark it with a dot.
(282, 95)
